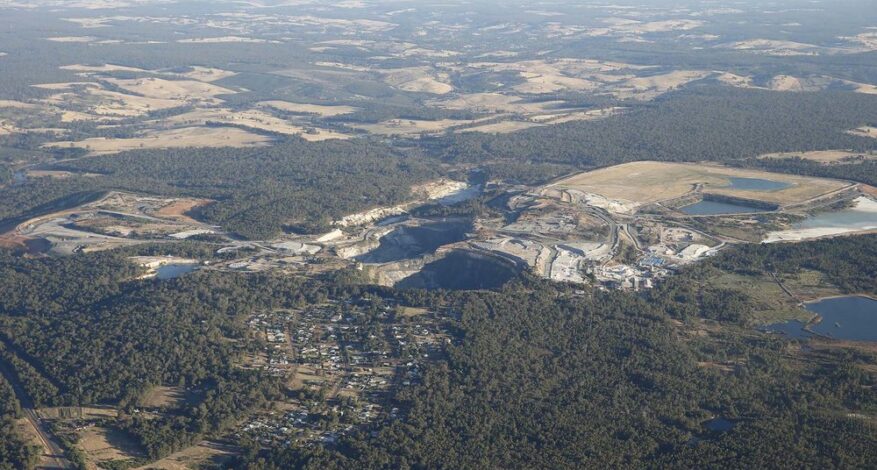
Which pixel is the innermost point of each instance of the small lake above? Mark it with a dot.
(719, 425)
(171, 271)
(756, 184)
(852, 317)
(706, 207)
(407, 242)
(792, 329)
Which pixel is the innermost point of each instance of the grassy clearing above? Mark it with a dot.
(772, 303)
(101, 445)
(163, 397)
(203, 455)
(409, 312)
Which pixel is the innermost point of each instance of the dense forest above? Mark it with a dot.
(862, 171)
(546, 378)
(700, 123)
(294, 185)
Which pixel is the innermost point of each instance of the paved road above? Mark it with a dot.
(53, 451)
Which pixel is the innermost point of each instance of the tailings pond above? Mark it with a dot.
(412, 241)
(716, 207)
(756, 184)
(862, 216)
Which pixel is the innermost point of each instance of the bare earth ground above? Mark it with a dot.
(178, 209)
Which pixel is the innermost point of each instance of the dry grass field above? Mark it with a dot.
(184, 90)
(306, 376)
(253, 118)
(495, 103)
(641, 183)
(418, 80)
(646, 88)
(101, 444)
(410, 126)
(17, 104)
(75, 412)
(191, 457)
(589, 115)
(163, 397)
(865, 131)
(206, 74)
(102, 103)
(502, 127)
(302, 108)
(174, 138)
(101, 68)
